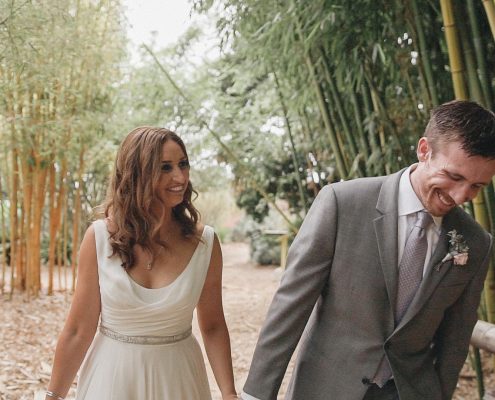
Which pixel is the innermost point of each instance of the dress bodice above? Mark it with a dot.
(130, 309)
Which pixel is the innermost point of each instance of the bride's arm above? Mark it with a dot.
(81, 323)
(213, 327)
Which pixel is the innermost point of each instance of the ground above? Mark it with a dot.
(28, 331)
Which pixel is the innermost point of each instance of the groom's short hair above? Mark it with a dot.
(465, 122)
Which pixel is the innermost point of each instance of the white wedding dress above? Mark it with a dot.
(144, 349)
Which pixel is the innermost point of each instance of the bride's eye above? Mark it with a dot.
(166, 167)
(184, 164)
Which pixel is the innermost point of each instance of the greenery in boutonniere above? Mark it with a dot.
(458, 249)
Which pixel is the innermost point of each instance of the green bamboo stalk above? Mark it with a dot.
(424, 55)
(414, 99)
(475, 360)
(480, 54)
(385, 120)
(302, 195)
(334, 144)
(474, 87)
(363, 144)
(375, 159)
(340, 110)
(308, 132)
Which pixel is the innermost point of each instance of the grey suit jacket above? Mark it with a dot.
(342, 271)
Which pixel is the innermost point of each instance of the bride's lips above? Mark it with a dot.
(176, 189)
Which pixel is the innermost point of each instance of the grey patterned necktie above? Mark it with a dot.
(410, 276)
(412, 264)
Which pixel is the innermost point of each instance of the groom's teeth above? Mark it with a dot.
(443, 199)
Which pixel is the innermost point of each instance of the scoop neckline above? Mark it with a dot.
(178, 276)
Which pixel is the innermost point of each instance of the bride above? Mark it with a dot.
(143, 270)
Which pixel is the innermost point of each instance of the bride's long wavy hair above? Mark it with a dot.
(133, 193)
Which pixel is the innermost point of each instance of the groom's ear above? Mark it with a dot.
(423, 151)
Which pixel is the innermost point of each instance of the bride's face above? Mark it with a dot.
(175, 174)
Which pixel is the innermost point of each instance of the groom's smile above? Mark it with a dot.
(447, 176)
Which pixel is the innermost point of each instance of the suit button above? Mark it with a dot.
(366, 381)
(386, 346)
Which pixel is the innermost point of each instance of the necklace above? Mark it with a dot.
(149, 265)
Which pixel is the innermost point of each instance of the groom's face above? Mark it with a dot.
(447, 176)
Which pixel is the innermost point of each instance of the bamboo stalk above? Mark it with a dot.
(481, 215)
(334, 143)
(455, 57)
(480, 54)
(363, 144)
(474, 87)
(4, 241)
(340, 110)
(77, 217)
(38, 203)
(424, 55)
(285, 112)
(65, 246)
(490, 14)
(52, 227)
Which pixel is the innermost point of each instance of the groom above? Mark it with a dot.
(385, 275)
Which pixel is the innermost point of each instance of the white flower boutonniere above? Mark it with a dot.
(458, 250)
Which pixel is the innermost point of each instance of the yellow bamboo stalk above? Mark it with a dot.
(13, 218)
(454, 48)
(65, 241)
(4, 241)
(62, 205)
(481, 215)
(27, 198)
(490, 14)
(38, 204)
(55, 217)
(52, 227)
(77, 217)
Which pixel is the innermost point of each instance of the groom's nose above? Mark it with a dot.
(462, 193)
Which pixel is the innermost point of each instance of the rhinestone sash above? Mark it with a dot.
(144, 339)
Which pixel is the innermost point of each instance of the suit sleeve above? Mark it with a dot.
(455, 332)
(308, 268)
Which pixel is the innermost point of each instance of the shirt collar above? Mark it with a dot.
(409, 202)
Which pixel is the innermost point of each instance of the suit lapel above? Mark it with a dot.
(386, 235)
(435, 270)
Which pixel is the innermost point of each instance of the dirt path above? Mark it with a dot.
(28, 331)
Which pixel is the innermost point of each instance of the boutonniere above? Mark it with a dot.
(458, 250)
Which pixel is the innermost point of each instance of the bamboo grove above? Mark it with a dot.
(301, 94)
(350, 84)
(58, 60)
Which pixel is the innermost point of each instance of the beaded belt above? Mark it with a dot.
(145, 339)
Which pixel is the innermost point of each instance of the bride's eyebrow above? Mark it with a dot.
(169, 161)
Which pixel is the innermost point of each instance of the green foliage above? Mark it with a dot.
(351, 84)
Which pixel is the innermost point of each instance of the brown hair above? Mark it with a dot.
(465, 122)
(132, 193)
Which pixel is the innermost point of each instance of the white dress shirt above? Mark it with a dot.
(408, 207)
